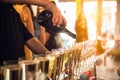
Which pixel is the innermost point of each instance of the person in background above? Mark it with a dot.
(14, 34)
(48, 38)
(26, 17)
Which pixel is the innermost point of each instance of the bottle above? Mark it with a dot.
(45, 20)
(81, 28)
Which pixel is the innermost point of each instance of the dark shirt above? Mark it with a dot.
(13, 34)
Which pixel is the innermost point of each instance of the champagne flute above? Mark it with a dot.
(12, 72)
(29, 70)
(51, 59)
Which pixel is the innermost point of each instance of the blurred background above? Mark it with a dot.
(101, 15)
(93, 21)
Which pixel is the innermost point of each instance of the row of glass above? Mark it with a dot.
(60, 64)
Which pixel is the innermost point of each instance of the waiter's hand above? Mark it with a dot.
(58, 19)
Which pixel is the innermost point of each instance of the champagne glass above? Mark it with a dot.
(12, 72)
(51, 59)
(57, 66)
(29, 71)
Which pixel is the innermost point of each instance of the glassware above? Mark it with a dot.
(12, 72)
(42, 67)
(56, 65)
(29, 71)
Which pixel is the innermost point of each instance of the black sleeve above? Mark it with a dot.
(27, 34)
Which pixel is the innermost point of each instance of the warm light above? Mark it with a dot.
(90, 12)
(68, 9)
(110, 43)
(108, 17)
